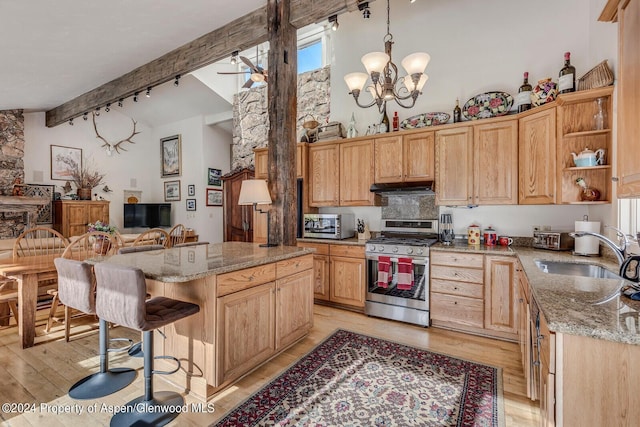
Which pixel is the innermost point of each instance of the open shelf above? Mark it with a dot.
(586, 133)
(597, 202)
(580, 168)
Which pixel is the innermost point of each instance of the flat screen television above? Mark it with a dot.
(147, 215)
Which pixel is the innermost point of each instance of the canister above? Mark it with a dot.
(490, 237)
(473, 234)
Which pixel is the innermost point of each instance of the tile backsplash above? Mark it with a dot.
(409, 207)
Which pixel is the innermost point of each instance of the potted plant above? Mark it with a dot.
(84, 176)
(101, 245)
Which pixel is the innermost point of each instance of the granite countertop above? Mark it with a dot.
(195, 262)
(349, 241)
(573, 305)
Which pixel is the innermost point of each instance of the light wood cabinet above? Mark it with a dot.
(477, 165)
(454, 166)
(628, 163)
(524, 332)
(356, 173)
(294, 308)
(495, 156)
(474, 293)
(339, 273)
(576, 130)
(500, 300)
(324, 174)
(536, 157)
(70, 217)
(405, 158)
(261, 161)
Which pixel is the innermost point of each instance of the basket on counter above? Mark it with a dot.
(599, 76)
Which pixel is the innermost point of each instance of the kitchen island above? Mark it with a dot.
(254, 303)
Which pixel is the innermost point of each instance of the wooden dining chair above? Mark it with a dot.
(89, 245)
(176, 235)
(9, 295)
(154, 236)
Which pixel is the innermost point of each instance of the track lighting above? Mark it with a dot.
(98, 111)
(85, 116)
(135, 97)
(177, 80)
(120, 102)
(333, 19)
(364, 8)
(107, 108)
(71, 121)
(148, 95)
(234, 57)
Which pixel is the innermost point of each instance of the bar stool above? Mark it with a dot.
(121, 299)
(76, 290)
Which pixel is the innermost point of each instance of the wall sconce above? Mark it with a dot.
(364, 8)
(255, 192)
(333, 20)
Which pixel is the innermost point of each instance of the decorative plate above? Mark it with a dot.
(486, 105)
(545, 91)
(424, 120)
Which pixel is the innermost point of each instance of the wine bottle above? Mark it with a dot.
(523, 100)
(567, 76)
(385, 121)
(457, 112)
(396, 121)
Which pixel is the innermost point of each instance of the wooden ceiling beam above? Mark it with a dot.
(240, 34)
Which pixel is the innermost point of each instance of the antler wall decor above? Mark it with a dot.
(116, 146)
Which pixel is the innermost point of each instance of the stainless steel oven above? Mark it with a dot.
(401, 241)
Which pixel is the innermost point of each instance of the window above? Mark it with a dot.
(310, 56)
(629, 215)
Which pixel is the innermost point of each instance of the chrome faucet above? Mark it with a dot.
(620, 250)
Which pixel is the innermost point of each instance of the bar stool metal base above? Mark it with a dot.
(141, 412)
(102, 384)
(136, 350)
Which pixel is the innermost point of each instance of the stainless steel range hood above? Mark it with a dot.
(422, 188)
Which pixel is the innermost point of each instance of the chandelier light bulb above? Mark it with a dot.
(416, 62)
(375, 62)
(355, 81)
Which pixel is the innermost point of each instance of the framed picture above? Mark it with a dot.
(191, 190)
(172, 191)
(63, 160)
(191, 204)
(214, 197)
(214, 177)
(171, 152)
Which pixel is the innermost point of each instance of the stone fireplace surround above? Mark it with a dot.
(11, 167)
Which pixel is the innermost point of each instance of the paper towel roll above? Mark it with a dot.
(587, 245)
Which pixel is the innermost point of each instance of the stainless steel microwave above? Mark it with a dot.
(329, 226)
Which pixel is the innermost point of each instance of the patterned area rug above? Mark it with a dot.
(357, 380)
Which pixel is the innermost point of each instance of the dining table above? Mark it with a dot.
(26, 271)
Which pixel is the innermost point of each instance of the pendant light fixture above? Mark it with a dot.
(386, 85)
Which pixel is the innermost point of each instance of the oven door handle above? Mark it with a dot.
(417, 261)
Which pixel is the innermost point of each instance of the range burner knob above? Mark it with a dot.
(380, 248)
(419, 251)
(395, 249)
(410, 250)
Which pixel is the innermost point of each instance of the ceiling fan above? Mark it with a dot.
(258, 74)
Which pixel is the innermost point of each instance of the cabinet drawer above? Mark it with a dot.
(460, 310)
(457, 274)
(547, 345)
(353, 251)
(321, 248)
(464, 289)
(294, 265)
(229, 283)
(457, 259)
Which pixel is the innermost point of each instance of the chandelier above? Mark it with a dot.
(386, 85)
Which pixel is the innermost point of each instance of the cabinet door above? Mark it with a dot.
(628, 100)
(324, 172)
(348, 281)
(454, 177)
(418, 157)
(78, 218)
(356, 173)
(98, 212)
(242, 344)
(499, 306)
(261, 160)
(536, 158)
(321, 277)
(495, 155)
(388, 159)
(294, 307)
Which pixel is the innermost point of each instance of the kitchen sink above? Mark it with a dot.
(575, 269)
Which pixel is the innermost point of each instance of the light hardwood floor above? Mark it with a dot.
(41, 375)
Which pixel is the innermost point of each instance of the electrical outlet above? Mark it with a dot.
(537, 228)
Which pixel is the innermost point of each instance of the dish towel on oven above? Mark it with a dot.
(405, 274)
(384, 262)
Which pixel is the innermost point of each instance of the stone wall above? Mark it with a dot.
(11, 167)
(251, 119)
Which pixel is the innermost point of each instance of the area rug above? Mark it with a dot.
(356, 380)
